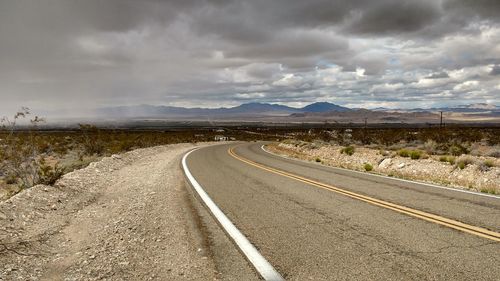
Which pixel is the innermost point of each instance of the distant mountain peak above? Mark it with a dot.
(479, 106)
(324, 107)
(263, 107)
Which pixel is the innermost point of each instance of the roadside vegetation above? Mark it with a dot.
(368, 167)
(466, 157)
(349, 150)
(31, 154)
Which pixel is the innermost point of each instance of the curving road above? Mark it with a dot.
(319, 223)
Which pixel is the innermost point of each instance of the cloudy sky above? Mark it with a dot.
(71, 54)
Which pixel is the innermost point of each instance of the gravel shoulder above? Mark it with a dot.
(126, 217)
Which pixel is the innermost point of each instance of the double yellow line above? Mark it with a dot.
(478, 231)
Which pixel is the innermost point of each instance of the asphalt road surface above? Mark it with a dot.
(313, 222)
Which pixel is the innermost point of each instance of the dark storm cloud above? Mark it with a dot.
(438, 75)
(394, 17)
(71, 53)
(482, 9)
(495, 70)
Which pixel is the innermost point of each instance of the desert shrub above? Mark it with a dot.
(482, 168)
(451, 160)
(47, 174)
(90, 139)
(485, 165)
(383, 152)
(457, 150)
(20, 150)
(120, 146)
(93, 147)
(415, 154)
(318, 159)
(430, 146)
(488, 190)
(42, 146)
(404, 153)
(495, 154)
(461, 165)
(10, 179)
(368, 167)
(349, 150)
(463, 162)
(489, 163)
(314, 145)
(60, 148)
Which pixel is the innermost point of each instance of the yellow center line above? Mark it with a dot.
(482, 232)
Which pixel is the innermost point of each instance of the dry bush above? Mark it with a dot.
(368, 167)
(464, 162)
(404, 153)
(48, 174)
(430, 146)
(458, 149)
(415, 154)
(21, 159)
(349, 150)
(495, 154)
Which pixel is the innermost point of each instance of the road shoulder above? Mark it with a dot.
(124, 217)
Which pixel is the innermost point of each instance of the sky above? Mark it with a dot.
(69, 55)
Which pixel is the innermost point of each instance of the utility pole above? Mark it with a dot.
(366, 122)
(441, 120)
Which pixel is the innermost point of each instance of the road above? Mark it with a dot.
(313, 222)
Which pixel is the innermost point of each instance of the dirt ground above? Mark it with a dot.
(126, 217)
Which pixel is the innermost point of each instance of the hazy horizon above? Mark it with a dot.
(75, 56)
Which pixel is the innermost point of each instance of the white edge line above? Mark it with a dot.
(387, 177)
(263, 267)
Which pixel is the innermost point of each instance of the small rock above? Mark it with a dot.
(116, 156)
(53, 207)
(92, 257)
(400, 166)
(385, 163)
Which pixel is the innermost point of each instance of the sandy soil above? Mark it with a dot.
(125, 217)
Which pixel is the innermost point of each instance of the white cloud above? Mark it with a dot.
(289, 80)
(466, 86)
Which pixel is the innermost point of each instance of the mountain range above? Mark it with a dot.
(246, 109)
(475, 107)
(313, 112)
